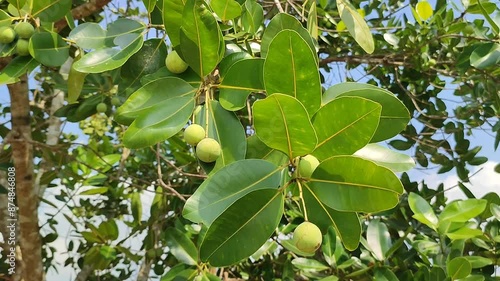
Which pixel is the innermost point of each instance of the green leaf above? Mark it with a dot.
(345, 125)
(93, 191)
(109, 229)
(148, 60)
(50, 10)
(289, 245)
(492, 198)
(312, 22)
(493, 24)
(280, 22)
(222, 245)
(226, 9)
(309, 264)
(226, 128)
(228, 185)
(111, 58)
(397, 162)
(200, 38)
(422, 211)
(282, 122)
(145, 98)
(464, 233)
(17, 67)
(346, 223)
(458, 268)
(172, 19)
(495, 210)
(462, 210)
(486, 55)
(136, 206)
(181, 246)
(256, 149)
(149, 4)
(88, 35)
(394, 116)
(107, 252)
(48, 48)
(162, 122)
(252, 16)
(242, 78)
(76, 81)
(356, 25)
(5, 18)
(339, 184)
(478, 261)
(290, 68)
(17, 3)
(378, 239)
(384, 274)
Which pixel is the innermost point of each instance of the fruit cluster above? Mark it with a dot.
(21, 31)
(207, 149)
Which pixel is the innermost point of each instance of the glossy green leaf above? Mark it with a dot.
(172, 19)
(464, 233)
(111, 58)
(397, 162)
(50, 10)
(492, 198)
(252, 16)
(109, 229)
(226, 9)
(462, 210)
(48, 48)
(5, 18)
(384, 274)
(346, 224)
(93, 191)
(339, 184)
(224, 127)
(107, 252)
(136, 207)
(179, 272)
(394, 116)
(290, 68)
(149, 4)
(256, 149)
(120, 28)
(242, 78)
(437, 274)
(495, 210)
(345, 125)
(422, 211)
(228, 185)
(161, 122)
(200, 38)
(282, 122)
(309, 264)
(478, 261)
(76, 82)
(88, 35)
(181, 246)
(378, 239)
(148, 60)
(149, 95)
(17, 3)
(289, 245)
(17, 67)
(486, 55)
(235, 235)
(312, 22)
(458, 268)
(280, 22)
(356, 25)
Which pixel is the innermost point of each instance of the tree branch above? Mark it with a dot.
(83, 11)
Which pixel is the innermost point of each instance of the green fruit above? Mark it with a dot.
(307, 237)
(208, 150)
(194, 134)
(101, 107)
(432, 62)
(115, 101)
(175, 64)
(22, 47)
(307, 165)
(24, 29)
(7, 35)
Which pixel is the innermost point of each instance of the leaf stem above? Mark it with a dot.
(303, 201)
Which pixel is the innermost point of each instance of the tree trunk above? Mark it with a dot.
(26, 195)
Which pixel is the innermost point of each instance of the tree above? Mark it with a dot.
(255, 83)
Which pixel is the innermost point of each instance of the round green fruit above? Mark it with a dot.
(22, 47)
(115, 101)
(101, 107)
(208, 150)
(432, 62)
(193, 134)
(307, 237)
(175, 64)
(7, 35)
(24, 29)
(307, 165)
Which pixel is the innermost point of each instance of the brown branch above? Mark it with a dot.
(83, 11)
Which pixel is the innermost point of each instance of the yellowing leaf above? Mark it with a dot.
(424, 10)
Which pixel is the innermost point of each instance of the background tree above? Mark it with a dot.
(414, 50)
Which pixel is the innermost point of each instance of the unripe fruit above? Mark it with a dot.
(175, 64)
(7, 35)
(193, 134)
(115, 101)
(307, 165)
(432, 62)
(307, 237)
(208, 150)
(101, 107)
(22, 47)
(24, 29)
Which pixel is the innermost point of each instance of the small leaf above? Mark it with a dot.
(422, 210)
(93, 191)
(495, 210)
(76, 81)
(356, 25)
(17, 67)
(181, 246)
(309, 264)
(226, 9)
(252, 16)
(485, 55)
(136, 207)
(378, 239)
(458, 268)
(463, 210)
